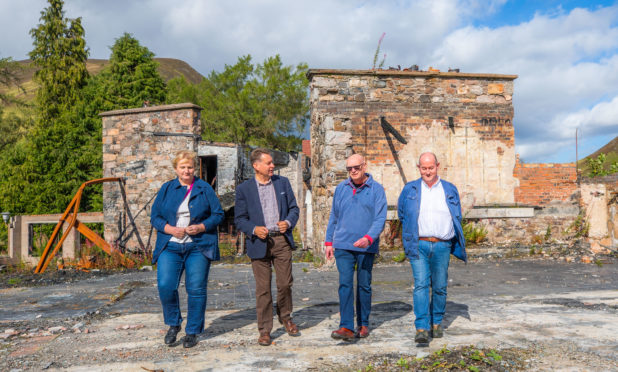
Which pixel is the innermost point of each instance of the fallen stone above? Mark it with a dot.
(586, 259)
(56, 329)
(78, 325)
(146, 268)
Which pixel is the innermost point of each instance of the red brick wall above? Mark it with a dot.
(540, 184)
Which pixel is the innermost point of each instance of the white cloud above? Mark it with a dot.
(567, 62)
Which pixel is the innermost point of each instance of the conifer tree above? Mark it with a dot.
(132, 77)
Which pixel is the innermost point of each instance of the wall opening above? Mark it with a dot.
(208, 170)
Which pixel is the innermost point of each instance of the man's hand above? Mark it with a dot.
(176, 232)
(283, 226)
(329, 252)
(261, 232)
(362, 243)
(195, 229)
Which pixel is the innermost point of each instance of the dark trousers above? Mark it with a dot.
(279, 255)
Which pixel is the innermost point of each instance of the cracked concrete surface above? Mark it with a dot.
(567, 308)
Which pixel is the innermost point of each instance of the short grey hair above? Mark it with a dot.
(428, 152)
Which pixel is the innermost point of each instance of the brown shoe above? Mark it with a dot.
(291, 328)
(264, 339)
(342, 334)
(362, 332)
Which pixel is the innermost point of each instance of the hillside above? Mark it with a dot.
(169, 68)
(611, 152)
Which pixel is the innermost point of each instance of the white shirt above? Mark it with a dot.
(183, 217)
(434, 219)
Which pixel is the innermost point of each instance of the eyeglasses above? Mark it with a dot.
(355, 167)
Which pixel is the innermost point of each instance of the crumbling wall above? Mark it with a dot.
(599, 202)
(139, 145)
(466, 119)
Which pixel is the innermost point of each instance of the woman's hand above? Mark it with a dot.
(176, 232)
(195, 229)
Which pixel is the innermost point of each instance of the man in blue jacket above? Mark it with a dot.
(266, 212)
(430, 213)
(356, 220)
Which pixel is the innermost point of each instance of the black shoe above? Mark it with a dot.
(189, 341)
(422, 337)
(170, 336)
(437, 332)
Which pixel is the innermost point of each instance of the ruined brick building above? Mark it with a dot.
(467, 119)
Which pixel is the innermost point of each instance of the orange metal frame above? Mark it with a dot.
(70, 216)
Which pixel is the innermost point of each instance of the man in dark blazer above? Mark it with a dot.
(266, 211)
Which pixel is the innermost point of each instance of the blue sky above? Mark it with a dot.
(564, 52)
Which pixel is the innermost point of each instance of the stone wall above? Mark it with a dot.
(139, 145)
(466, 119)
(541, 184)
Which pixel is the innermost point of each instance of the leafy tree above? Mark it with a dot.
(264, 105)
(132, 77)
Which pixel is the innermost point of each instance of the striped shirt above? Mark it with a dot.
(268, 200)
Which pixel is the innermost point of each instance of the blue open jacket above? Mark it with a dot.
(204, 207)
(408, 208)
(357, 212)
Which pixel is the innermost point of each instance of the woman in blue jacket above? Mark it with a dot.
(185, 213)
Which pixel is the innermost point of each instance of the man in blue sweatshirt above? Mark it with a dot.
(356, 220)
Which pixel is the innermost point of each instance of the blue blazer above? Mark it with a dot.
(408, 208)
(204, 207)
(248, 212)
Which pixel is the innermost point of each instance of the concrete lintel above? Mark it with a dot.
(176, 106)
(500, 213)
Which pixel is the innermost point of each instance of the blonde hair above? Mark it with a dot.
(184, 155)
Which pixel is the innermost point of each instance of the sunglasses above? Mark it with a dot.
(354, 167)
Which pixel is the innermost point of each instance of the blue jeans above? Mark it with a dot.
(346, 262)
(175, 259)
(430, 269)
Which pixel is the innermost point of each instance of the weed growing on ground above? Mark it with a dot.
(468, 358)
(400, 257)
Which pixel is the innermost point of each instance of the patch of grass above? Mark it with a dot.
(473, 233)
(468, 358)
(14, 281)
(598, 262)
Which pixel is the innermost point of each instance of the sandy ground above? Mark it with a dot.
(564, 315)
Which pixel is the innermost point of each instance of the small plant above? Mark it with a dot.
(548, 233)
(403, 363)
(305, 270)
(598, 262)
(377, 53)
(14, 281)
(579, 227)
(474, 233)
(532, 250)
(400, 257)
(494, 355)
(473, 369)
